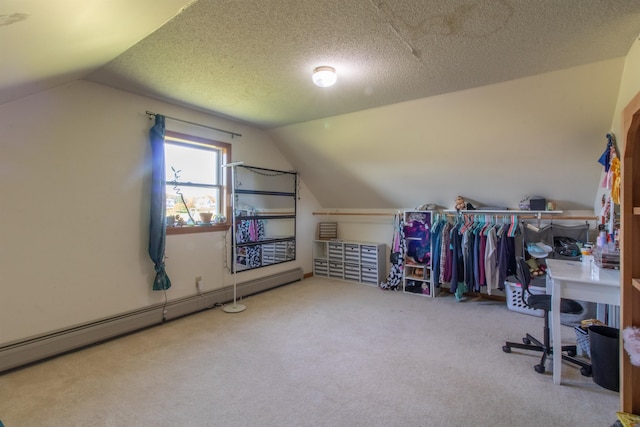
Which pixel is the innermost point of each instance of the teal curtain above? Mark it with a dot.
(157, 228)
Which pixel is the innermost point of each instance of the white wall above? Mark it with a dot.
(379, 228)
(74, 181)
(629, 87)
(541, 135)
(74, 230)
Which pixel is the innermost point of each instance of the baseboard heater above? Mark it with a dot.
(37, 348)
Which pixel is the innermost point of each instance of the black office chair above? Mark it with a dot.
(543, 302)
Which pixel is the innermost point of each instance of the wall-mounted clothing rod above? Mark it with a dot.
(355, 213)
(152, 114)
(478, 212)
(543, 217)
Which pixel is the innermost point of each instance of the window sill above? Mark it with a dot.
(197, 229)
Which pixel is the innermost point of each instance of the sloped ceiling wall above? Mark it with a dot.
(496, 144)
(251, 61)
(46, 43)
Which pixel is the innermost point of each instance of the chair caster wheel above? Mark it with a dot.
(506, 349)
(539, 369)
(526, 340)
(571, 353)
(586, 371)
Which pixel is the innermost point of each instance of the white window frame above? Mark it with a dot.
(224, 156)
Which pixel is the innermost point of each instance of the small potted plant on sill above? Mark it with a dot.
(206, 217)
(178, 220)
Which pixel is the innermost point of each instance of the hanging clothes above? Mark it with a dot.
(468, 241)
(491, 261)
(436, 237)
(419, 246)
(506, 258)
(457, 262)
(394, 279)
(253, 230)
(609, 151)
(614, 172)
(445, 254)
(483, 254)
(480, 252)
(611, 181)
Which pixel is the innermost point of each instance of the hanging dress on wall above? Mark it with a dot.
(394, 279)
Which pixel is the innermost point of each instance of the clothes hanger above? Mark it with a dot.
(479, 224)
(513, 227)
(501, 226)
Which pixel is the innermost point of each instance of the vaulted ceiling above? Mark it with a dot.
(252, 60)
(440, 85)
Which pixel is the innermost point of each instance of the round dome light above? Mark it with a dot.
(324, 76)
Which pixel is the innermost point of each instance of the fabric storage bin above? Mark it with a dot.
(336, 251)
(352, 272)
(336, 269)
(321, 267)
(538, 204)
(369, 274)
(582, 335)
(549, 233)
(351, 252)
(369, 254)
(582, 339)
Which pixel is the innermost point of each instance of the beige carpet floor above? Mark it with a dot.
(313, 353)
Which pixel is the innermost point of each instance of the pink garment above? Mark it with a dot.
(445, 258)
(253, 231)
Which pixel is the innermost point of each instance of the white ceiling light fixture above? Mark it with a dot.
(324, 76)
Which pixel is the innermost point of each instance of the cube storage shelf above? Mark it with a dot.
(362, 262)
(417, 278)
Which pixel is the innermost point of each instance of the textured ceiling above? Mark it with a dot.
(252, 60)
(46, 43)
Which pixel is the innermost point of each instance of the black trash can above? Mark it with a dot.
(605, 356)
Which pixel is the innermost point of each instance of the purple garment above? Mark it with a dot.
(483, 249)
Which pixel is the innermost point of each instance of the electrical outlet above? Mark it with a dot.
(198, 281)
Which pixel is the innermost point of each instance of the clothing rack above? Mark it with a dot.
(563, 218)
(547, 215)
(522, 215)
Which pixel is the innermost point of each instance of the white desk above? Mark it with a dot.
(575, 280)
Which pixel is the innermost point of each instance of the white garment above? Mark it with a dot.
(491, 261)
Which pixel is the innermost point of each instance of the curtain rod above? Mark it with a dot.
(150, 113)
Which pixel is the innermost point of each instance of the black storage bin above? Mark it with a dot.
(605, 356)
(538, 204)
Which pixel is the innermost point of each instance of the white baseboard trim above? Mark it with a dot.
(37, 348)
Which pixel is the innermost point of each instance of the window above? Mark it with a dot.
(195, 183)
